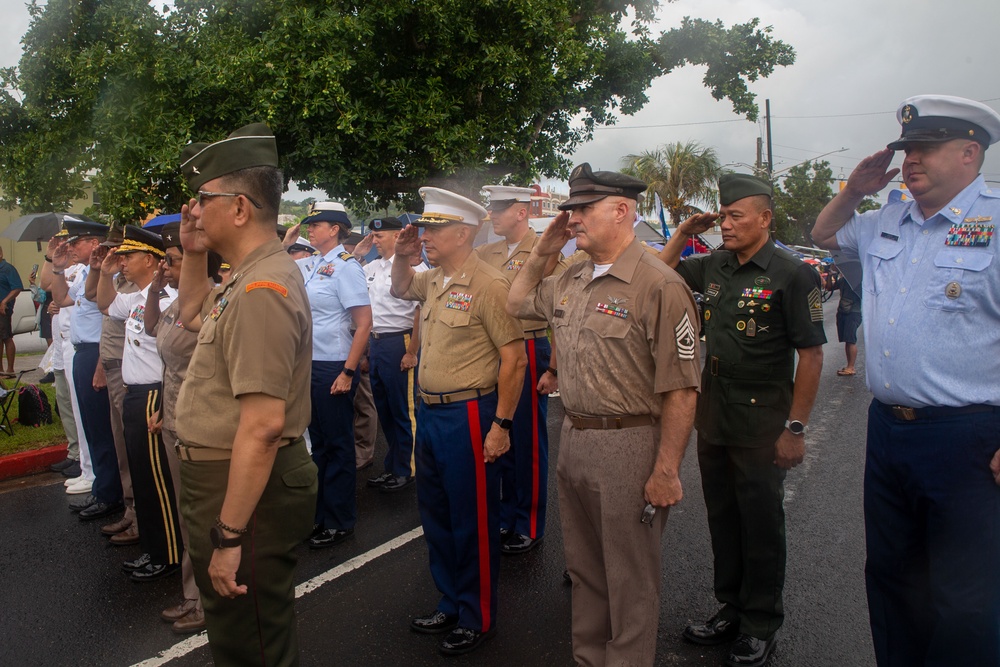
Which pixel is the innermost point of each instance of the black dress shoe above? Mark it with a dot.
(98, 510)
(329, 537)
(505, 534)
(62, 465)
(396, 483)
(712, 632)
(463, 640)
(434, 624)
(82, 503)
(71, 471)
(750, 652)
(375, 482)
(518, 544)
(137, 564)
(48, 378)
(152, 572)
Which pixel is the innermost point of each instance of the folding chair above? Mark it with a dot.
(7, 397)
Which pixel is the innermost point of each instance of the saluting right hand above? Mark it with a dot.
(108, 262)
(292, 235)
(159, 278)
(698, 223)
(555, 236)
(871, 174)
(192, 239)
(408, 242)
(60, 255)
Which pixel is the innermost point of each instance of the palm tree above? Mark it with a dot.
(683, 174)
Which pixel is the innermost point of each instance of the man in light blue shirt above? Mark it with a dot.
(10, 287)
(931, 301)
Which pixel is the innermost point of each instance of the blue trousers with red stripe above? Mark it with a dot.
(458, 495)
(524, 470)
(395, 395)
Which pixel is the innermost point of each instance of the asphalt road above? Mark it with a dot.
(64, 600)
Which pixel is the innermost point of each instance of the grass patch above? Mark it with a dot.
(26, 438)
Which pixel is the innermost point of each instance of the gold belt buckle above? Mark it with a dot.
(904, 413)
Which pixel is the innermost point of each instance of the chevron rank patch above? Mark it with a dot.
(815, 305)
(684, 335)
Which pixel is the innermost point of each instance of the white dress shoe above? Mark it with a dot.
(83, 486)
(73, 480)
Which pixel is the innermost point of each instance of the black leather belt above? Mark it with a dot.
(720, 368)
(142, 388)
(391, 334)
(903, 413)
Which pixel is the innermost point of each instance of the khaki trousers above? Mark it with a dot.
(65, 402)
(612, 557)
(188, 584)
(365, 421)
(116, 396)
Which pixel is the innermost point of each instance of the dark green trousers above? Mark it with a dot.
(744, 494)
(257, 628)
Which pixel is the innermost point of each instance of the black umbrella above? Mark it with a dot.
(39, 227)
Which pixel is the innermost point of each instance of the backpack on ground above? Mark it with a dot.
(33, 407)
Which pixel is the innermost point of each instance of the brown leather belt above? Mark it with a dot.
(454, 396)
(903, 413)
(536, 333)
(604, 423)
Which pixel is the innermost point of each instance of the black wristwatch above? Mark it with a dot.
(796, 427)
(349, 372)
(505, 424)
(220, 541)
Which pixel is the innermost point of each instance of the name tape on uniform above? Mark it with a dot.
(267, 284)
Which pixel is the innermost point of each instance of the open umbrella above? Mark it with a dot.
(39, 227)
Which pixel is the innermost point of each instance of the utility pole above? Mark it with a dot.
(770, 156)
(760, 150)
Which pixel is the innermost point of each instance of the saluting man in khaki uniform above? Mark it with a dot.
(248, 485)
(624, 325)
(524, 470)
(470, 372)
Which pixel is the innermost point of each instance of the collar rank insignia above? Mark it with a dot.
(956, 211)
(613, 310)
(970, 235)
(459, 301)
(563, 301)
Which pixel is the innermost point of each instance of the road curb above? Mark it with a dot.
(26, 463)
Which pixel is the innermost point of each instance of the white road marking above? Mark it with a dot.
(182, 648)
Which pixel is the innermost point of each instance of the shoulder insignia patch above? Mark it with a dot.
(345, 255)
(815, 305)
(267, 284)
(684, 335)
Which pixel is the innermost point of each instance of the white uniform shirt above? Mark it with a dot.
(141, 362)
(389, 314)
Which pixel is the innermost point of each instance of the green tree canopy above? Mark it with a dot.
(682, 174)
(807, 188)
(368, 100)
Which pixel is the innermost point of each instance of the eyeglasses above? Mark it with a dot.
(204, 193)
(169, 260)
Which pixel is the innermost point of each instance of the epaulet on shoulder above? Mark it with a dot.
(345, 256)
(992, 193)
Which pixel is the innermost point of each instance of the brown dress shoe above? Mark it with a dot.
(116, 527)
(172, 614)
(193, 622)
(128, 536)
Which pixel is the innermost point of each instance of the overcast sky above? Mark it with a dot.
(856, 61)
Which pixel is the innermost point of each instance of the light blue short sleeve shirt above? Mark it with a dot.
(335, 283)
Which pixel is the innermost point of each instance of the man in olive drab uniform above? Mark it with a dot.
(624, 325)
(524, 470)
(471, 369)
(761, 306)
(248, 485)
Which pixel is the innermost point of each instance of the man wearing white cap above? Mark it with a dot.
(524, 470)
(931, 277)
(471, 370)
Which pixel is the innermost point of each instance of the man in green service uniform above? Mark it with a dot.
(761, 306)
(248, 485)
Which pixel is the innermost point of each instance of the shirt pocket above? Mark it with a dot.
(454, 318)
(203, 360)
(960, 273)
(884, 271)
(756, 409)
(607, 326)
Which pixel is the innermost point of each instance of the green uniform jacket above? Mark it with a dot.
(755, 317)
